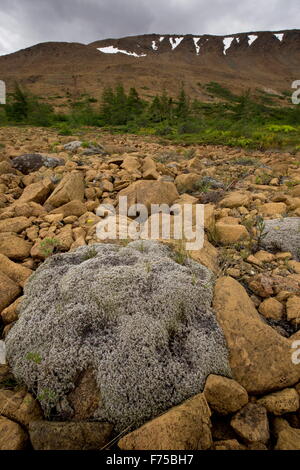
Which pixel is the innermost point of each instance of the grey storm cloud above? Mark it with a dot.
(27, 22)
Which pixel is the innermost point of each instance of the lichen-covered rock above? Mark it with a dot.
(282, 235)
(138, 319)
(33, 161)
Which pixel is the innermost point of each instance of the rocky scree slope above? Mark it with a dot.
(50, 210)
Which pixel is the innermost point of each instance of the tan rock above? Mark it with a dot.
(283, 255)
(54, 218)
(19, 406)
(28, 209)
(295, 265)
(149, 169)
(186, 198)
(32, 233)
(253, 260)
(187, 182)
(271, 308)
(184, 427)
(14, 224)
(132, 165)
(77, 244)
(233, 272)
(229, 234)
(12, 436)
(195, 164)
(293, 309)
(75, 207)
(85, 398)
(13, 246)
(70, 188)
(291, 283)
(10, 313)
(264, 256)
(260, 358)
(71, 219)
(37, 192)
(272, 209)
(235, 199)
(209, 217)
(107, 186)
(262, 285)
(296, 191)
(288, 438)
(229, 444)
(9, 291)
(251, 423)
(224, 395)
(14, 271)
(229, 220)
(279, 403)
(65, 237)
(208, 256)
(6, 168)
(150, 192)
(51, 435)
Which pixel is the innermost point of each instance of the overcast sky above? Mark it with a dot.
(24, 23)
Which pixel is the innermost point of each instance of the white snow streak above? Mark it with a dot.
(197, 47)
(280, 36)
(175, 42)
(154, 46)
(251, 39)
(115, 50)
(227, 43)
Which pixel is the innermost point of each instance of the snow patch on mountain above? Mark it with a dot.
(197, 47)
(175, 42)
(115, 50)
(154, 46)
(251, 39)
(227, 43)
(279, 36)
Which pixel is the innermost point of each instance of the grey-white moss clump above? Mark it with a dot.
(142, 321)
(282, 235)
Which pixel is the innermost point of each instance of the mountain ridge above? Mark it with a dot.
(151, 62)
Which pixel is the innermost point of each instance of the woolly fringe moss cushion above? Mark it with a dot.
(141, 321)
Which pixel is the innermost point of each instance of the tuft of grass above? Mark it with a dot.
(90, 253)
(34, 357)
(48, 246)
